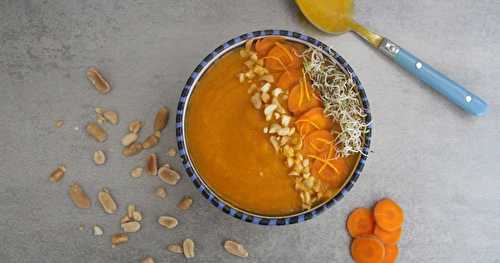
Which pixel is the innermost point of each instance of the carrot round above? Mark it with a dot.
(288, 79)
(388, 215)
(391, 253)
(360, 222)
(313, 119)
(330, 170)
(302, 98)
(280, 58)
(389, 238)
(367, 249)
(317, 142)
(263, 46)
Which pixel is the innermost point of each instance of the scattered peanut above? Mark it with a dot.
(99, 157)
(111, 116)
(78, 196)
(234, 248)
(107, 202)
(136, 172)
(175, 248)
(168, 175)
(118, 239)
(132, 149)
(152, 164)
(129, 138)
(137, 216)
(97, 230)
(131, 227)
(168, 221)
(172, 152)
(161, 192)
(96, 131)
(150, 141)
(161, 119)
(100, 84)
(59, 123)
(135, 126)
(188, 248)
(185, 203)
(58, 174)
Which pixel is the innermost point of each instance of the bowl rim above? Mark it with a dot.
(197, 180)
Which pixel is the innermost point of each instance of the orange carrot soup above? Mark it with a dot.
(264, 130)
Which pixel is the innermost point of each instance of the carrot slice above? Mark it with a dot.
(282, 53)
(360, 222)
(391, 253)
(263, 46)
(330, 170)
(288, 79)
(388, 215)
(367, 249)
(314, 119)
(389, 238)
(316, 142)
(299, 102)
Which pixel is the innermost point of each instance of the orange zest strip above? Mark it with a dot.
(301, 96)
(305, 85)
(324, 163)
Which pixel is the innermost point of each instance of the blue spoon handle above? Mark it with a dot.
(439, 82)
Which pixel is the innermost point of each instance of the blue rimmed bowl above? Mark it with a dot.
(182, 142)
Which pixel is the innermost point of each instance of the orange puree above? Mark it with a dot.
(229, 149)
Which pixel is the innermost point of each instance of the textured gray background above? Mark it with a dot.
(439, 163)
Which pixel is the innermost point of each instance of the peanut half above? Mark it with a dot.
(168, 175)
(151, 141)
(188, 248)
(96, 131)
(129, 138)
(148, 259)
(132, 149)
(131, 227)
(161, 119)
(57, 174)
(152, 164)
(168, 221)
(161, 192)
(175, 248)
(136, 172)
(135, 126)
(107, 201)
(111, 116)
(185, 203)
(99, 157)
(78, 196)
(118, 239)
(234, 248)
(100, 84)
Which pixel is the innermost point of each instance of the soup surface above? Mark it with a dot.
(229, 149)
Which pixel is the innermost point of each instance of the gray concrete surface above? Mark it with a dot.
(439, 163)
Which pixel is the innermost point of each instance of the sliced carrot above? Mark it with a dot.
(389, 238)
(313, 119)
(298, 101)
(281, 55)
(329, 170)
(263, 46)
(317, 142)
(288, 79)
(360, 222)
(367, 249)
(391, 253)
(388, 215)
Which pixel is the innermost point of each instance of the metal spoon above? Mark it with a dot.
(336, 16)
